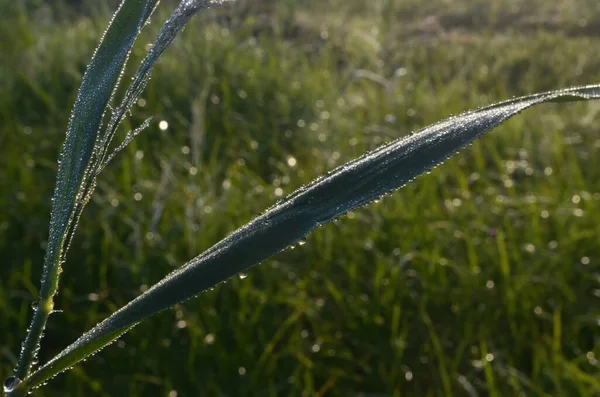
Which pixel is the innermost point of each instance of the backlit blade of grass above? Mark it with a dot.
(352, 185)
(98, 86)
(171, 28)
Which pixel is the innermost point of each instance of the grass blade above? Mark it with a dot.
(85, 151)
(171, 28)
(349, 186)
(99, 83)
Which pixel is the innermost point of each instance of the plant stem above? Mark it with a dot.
(77, 170)
(44, 308)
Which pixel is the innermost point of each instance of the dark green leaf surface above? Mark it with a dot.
(349, 186)
(99, 82)
(175, 24)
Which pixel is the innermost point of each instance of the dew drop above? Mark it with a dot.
(34, 305)
(11, 383)
(302, 241)
(242, 276)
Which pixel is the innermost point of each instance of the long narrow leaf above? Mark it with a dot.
(349, 186)
(171, 28)
(99, 83)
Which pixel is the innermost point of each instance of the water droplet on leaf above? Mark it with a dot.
(11, 383)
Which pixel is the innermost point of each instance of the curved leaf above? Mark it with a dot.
(349, 186)
(99, 83)
(171, 28)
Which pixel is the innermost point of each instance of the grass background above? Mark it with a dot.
(480, 279)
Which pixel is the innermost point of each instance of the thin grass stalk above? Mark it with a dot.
(98, 87)
(85, 151)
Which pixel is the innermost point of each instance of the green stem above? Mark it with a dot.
(76, 170)
(44, 308)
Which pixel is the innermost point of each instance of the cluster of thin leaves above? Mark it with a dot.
(86, 152)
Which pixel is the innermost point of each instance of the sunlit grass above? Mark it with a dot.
(482, 275)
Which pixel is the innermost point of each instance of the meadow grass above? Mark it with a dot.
(482, 278)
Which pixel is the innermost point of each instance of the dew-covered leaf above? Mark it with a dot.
(352, 185)
(99, 83)
(98, 86)
(171, 28)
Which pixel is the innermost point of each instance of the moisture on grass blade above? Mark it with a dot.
(175, 24)
(349, 186)
(85, 151)
(73, 182)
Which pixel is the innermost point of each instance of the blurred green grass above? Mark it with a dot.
(480, 279)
